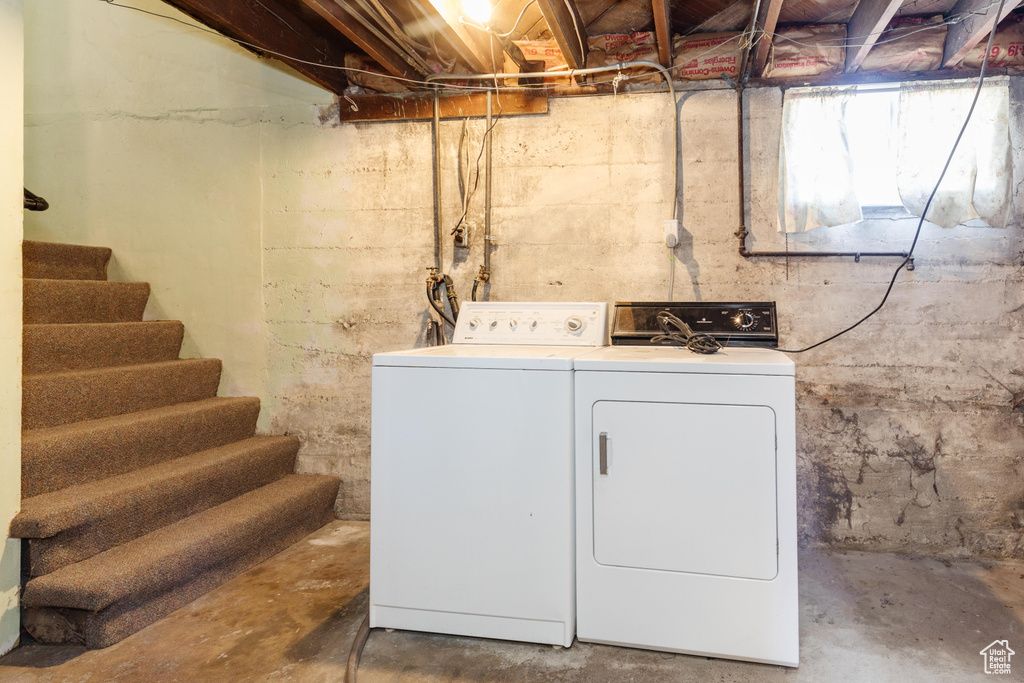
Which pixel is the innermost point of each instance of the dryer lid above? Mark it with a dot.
(728, 361)
(485, 357)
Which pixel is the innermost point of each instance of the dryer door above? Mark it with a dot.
(685, 487)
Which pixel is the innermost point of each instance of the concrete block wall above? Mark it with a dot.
(910, 428)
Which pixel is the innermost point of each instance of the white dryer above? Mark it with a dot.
(686, 491)
(472, 504)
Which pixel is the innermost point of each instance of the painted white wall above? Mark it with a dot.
(143, 134)
(11, 201)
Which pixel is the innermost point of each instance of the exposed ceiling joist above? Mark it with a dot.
(764, 28)
(420, 106)
(591, 10)
(868, 21)
(248, 21)
(443, 16)
(343, 20)
(663, 32)
(568, 29)
(974, 28)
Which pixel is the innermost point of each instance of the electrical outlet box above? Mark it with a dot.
(671, 232)
(461, 236)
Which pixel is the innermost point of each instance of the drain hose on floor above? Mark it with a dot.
(357, 649)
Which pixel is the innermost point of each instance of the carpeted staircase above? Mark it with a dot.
(141, 489)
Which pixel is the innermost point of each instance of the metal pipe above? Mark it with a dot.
(546, 74)
(438, 236)
(742, 76)
(742, 232)
(593, 70)
(857, 255)
(487, 196)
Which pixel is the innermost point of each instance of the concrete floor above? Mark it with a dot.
(864, 617)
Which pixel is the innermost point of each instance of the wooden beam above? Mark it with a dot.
(591, 10)
(420, 106)
(963, 36)
(443, 17)
(764, 29)
(272, 26)
(866, 25)
(568, 29)
(342, 20)
(663, 32)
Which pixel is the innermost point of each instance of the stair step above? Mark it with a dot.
(82, 346)
(54, 261)
(64, 397)
(83, 301)
(81, 521)
(99, 601)
(77, 453)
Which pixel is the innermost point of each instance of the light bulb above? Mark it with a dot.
(477, 10)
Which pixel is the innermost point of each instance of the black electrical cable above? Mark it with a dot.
(438, 309)
(679, 333)
(928, 204)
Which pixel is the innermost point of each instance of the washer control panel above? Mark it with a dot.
(532, 324)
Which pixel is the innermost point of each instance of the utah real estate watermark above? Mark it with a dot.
(997, 657)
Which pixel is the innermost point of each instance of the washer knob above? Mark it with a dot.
(574, 324)
(533, 325)
(474, 323)
(494, 323)
(512, 322)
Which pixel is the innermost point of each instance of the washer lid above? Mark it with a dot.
(727, 361)
(482, 357)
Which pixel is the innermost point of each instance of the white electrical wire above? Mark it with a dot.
(952, 19)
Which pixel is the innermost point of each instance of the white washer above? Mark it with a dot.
(472, 506)
(686, 524)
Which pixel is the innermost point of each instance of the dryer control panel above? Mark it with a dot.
(732, 324)
(532, 324)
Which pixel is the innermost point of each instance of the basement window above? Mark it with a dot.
(849, 153)
(870, 118)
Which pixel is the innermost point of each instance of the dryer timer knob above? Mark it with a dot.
(744, 321)
(574, 324)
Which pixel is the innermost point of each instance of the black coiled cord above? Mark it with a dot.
(682, 335)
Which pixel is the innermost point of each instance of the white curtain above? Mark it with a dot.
(815, 169)
(978, 183)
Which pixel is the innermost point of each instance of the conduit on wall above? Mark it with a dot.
(485, 270)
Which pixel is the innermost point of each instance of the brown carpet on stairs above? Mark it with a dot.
(62, 397)
(47, 260)
(82, 346)
(141, 489)
(78, 522)
(80, 452)
(83, 301)
(173, 566)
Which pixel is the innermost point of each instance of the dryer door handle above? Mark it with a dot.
(603, 450)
